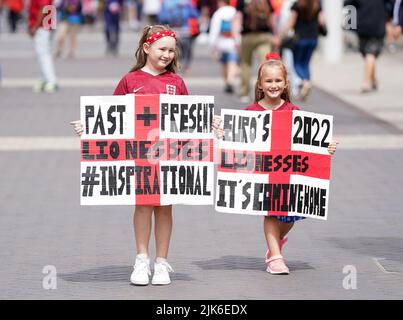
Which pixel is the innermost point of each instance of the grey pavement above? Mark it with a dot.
(215, 255)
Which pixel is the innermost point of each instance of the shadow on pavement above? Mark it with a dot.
(111, 273)
(245, 263)
(381, 247)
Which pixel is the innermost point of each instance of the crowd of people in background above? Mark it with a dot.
(236, 31)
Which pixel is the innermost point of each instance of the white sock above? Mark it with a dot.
(159, 260)
(142, 256)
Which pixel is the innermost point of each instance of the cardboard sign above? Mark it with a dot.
(274, 163)
(147, 150)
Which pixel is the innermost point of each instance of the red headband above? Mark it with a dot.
(160, 34)
(273, 56)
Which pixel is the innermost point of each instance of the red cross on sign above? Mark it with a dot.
(147, 150)
(274, 163)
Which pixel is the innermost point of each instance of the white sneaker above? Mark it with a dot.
(161, 273)
(38, 87)
(141, 271)
(50, 87)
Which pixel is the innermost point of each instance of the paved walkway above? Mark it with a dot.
(215, 256)
(344, 80)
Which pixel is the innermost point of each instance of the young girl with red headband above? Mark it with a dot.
(153, 73)
(272, 92)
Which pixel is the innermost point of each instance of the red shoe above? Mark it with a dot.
(276, 265)
(282, 243)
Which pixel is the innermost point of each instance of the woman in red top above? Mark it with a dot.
(153, 73)
(272, 92)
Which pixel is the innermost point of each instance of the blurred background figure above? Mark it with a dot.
(255, 20)
(183, 17)
(371, 21)
(132, 14)
(15, 9)
(307, 19)
(222, 42)
(151, 9)
(391, 38)
(1, 11)
(42, 44)
(112, 14)
(286, 53)
(69, 23)
(205, 7)
(398, 18)
(89, 12)
(277, 5)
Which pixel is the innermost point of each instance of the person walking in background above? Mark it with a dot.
(41, 34)
(306, 19)
(131, 6)
(277, 6)
(391, 37)
(69, 23)
(182, 16)
(205, 8)
(255, 21)
(398, 18)
(222, 42)
(112, 13)
(371, 20)
(1, 14)
(286, 53)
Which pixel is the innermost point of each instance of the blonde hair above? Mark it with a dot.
(141, 56)
(259, 94)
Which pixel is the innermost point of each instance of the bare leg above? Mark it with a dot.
(369, 71)
(73, 41)
(232, 71)
(142, 227)
(274, 231)
(60, 38)
(389, 32)
(374, 82)
(225, 72)
(285, 228)
(391, 39)
(60, 45)
(163, 230)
